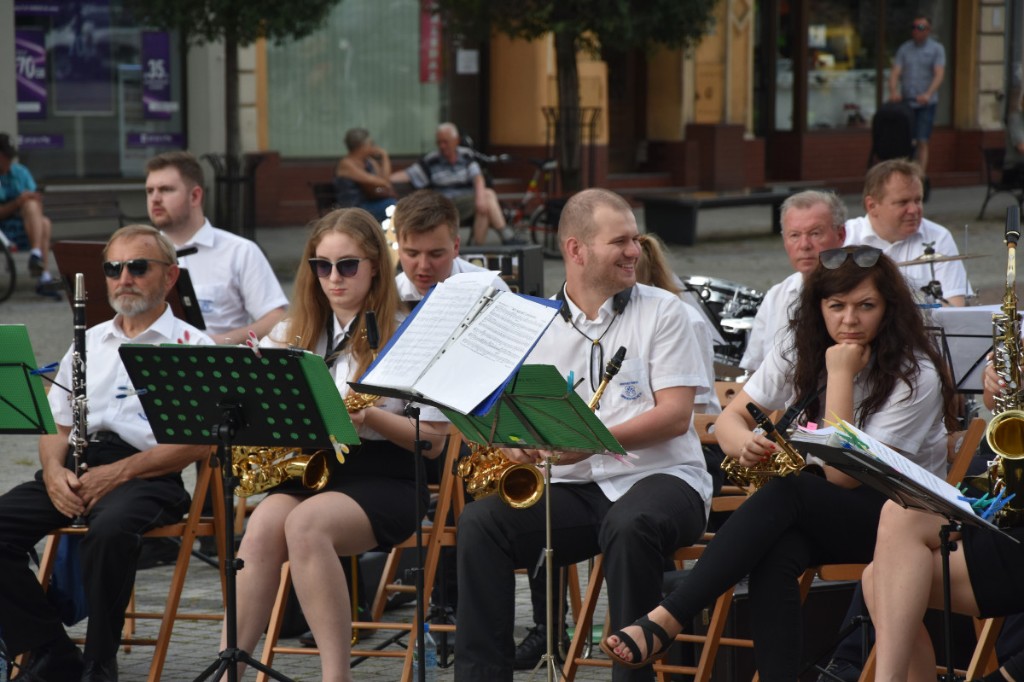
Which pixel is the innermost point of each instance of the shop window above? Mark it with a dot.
(97, 94)
(850, 45)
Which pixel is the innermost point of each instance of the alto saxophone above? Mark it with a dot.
(781, 463)
(80, 424)
(487, 471)
(261, 468)
(1005, 433)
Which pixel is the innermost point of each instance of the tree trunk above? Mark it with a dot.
(231, 186)
(567, 128)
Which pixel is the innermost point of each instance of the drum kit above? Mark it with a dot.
(730, 307)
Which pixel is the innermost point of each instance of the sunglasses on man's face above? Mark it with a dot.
(919, 27)
(347, 267)
(863, 256)
(137, 267)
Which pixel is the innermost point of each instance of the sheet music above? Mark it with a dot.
(463, 342)
(882, 452)
(436, 322)
(488, 352)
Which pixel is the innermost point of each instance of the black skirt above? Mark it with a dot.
(994, 565)
(380, 477)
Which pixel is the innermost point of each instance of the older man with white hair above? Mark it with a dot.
(453, 170)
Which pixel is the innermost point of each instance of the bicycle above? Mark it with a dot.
(533, 212)
(8, 275)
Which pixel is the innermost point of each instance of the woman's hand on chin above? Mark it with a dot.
(847, 357)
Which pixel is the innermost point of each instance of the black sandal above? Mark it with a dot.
(650, 630)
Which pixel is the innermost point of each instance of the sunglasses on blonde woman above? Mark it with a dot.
(347, 267)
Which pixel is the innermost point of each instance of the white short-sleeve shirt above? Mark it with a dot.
(661, 352)
(407, 291)
(910, 421)
(234, 282)
(950, 274)
(771, 323)
(105, 374)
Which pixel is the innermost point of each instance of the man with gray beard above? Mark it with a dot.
(130, 485)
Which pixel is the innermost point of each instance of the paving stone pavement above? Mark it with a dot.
(733, 244)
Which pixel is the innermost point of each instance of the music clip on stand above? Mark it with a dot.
(232, 395)
(908, 493)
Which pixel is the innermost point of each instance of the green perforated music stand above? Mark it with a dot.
(23, 405)
(230, 395)
(538, 410)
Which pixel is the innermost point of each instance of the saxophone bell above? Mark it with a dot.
(1005, 432)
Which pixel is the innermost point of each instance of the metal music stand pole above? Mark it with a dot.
(419, 447)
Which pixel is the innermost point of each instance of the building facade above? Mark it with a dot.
(773, 84)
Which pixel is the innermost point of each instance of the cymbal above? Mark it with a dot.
(939, 258)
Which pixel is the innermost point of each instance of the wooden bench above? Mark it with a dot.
(673, 217)
(61, 207)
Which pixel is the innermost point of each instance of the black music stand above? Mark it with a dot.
(911, 494)
(23, 405)
(230, 395)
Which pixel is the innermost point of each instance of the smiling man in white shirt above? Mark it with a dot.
(635, 511)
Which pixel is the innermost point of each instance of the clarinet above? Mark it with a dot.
(80, 424)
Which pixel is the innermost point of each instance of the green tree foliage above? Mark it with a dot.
(607, 25)
(245, 21)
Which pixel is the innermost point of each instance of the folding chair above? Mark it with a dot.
(731, 498)
(435, 536)
(193, 526)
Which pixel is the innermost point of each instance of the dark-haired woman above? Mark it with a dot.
(860, 354)
(370, 500)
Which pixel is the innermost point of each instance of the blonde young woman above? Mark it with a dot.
(370, 500)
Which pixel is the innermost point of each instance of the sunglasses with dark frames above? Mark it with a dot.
(863, 256)
(347, 267)
(137, 267)
(919, 27)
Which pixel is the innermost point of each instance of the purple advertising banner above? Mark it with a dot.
(81, 62)
(156, 75)
(139, 140)
(26, 8)
(30, 65)
(40, 142)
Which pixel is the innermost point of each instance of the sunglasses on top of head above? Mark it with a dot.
(137, 267)
(347, 267)
(863, 256)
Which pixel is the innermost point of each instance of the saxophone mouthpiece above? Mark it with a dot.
(372, 333)
(615, 364)
(761, 418)
(1012, 224)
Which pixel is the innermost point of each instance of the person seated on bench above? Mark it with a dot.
(370, 500)
(132, 484)
(22, 218)
(361, 177)
(453, 170)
